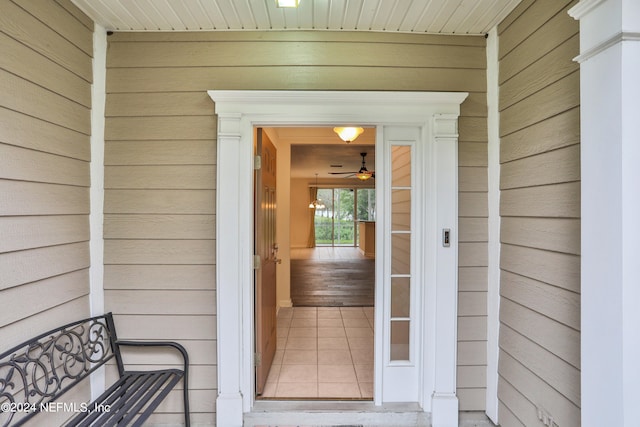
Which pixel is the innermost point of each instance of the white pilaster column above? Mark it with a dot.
(96, 218)
(493, 260)
(444, 403)
(229, 270)
(610, 156)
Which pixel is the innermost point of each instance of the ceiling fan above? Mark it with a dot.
(363, 174)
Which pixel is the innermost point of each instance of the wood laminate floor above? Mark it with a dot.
(332, 277)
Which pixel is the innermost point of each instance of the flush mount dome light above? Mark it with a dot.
(348, 134)
(287, 3)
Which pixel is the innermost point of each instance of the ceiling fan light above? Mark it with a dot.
(363, 176)
(287, 3)
(348, 134)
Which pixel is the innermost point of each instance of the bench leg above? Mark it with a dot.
(187, 421)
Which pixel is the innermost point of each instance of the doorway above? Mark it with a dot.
(425, 121)
(326, 339)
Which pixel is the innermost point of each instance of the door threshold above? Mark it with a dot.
(356, 414)
(335, 412)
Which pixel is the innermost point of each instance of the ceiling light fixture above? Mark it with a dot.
(364, 175)
(348, 134)
(317, 203)
(287, 3)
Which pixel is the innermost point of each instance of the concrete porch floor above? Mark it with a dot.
(348, 414)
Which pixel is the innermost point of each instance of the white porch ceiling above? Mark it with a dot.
(400, 16)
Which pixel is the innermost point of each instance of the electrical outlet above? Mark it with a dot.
(545, 417)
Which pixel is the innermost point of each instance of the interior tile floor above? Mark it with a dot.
(323, 353)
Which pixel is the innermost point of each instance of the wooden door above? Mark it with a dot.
(266, 250)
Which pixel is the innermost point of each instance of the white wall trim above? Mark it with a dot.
(493, 271)
(612, 41)
(583, 7)
(238, 112)
(444, 401)
(96, 194)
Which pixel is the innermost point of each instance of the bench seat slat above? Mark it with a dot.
(109, 397)
(128, 396)
(163, 385)
(133, 401)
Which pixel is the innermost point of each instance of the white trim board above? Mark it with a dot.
(493, 274)
(96, 193)
(435, 114)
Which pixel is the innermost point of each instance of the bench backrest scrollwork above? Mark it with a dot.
(40, 370)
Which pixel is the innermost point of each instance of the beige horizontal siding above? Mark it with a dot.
(181, 79)
(45, 167)
(146, 226)
(18, 94)
(67, 25)
(555, 132)
(538, 37)
(34, 198)
(161, 201)
(192, 152)
(159, 276)
(25, 232)
(472, 261)
(562, 165)
(472, 279)
(48, 39)
(160, 157)
(294, 53)
(29, 132)
(40, 263)
(45, 83)
(188, 177)
(549, 68)
(554, 99)
(539, 362)
(125, 251)
(552, 234)
(537, 13)
(400, 39)
(22, 61)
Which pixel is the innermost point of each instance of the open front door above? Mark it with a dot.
(266, 249)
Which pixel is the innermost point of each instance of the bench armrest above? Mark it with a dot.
(175, 345)
(185, 357)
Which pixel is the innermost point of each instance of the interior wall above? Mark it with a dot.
(45, 101)
(160, 168)
(539, 362)
(300, 212)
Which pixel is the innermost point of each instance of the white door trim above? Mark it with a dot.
(435, 113)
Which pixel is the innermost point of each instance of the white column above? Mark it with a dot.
(493, 274)
(96, 217)
(444, 402)
(610, 156)
(229, 272)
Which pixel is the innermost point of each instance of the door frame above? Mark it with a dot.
(436, 115)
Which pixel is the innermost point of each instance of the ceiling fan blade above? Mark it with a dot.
(342, 173)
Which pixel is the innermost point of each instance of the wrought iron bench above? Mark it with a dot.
(35, 374)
